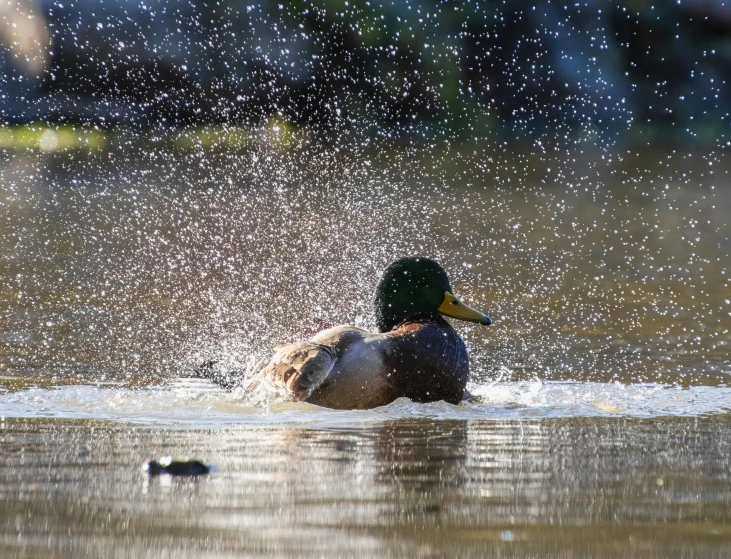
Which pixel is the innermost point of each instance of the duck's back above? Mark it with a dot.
(424, 361)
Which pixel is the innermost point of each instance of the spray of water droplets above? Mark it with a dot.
(184, 184)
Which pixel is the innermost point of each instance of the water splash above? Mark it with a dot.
(197, 403)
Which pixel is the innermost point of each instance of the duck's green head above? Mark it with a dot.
(418, 288)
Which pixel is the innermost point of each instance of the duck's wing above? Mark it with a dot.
(299, 368)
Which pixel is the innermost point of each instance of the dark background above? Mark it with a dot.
(629, 70)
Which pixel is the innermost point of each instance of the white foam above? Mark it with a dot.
(203, 405)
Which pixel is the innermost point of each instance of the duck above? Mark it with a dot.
(415, 354)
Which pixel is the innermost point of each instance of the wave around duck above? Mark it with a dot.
(193, 402)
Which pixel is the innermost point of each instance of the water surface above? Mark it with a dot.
(601, 416)
(569, 487)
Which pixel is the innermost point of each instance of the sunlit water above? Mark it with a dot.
(193, 403)
(571, 487)
(593, 268)
(599, 424)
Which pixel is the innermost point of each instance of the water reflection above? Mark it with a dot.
(567, 487)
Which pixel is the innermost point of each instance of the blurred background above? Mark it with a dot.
(633, 71)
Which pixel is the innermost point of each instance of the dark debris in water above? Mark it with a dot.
(178, 467)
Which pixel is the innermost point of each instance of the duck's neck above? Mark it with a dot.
(389, 323)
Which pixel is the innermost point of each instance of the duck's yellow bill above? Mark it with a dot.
(451, 306)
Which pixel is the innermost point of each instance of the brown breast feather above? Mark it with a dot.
(431, 359)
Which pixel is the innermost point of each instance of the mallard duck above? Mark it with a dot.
(415, 353)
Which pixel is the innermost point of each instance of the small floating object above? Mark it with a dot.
(177, 467)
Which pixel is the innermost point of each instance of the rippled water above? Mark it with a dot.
(599, 423)
(590, 487)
